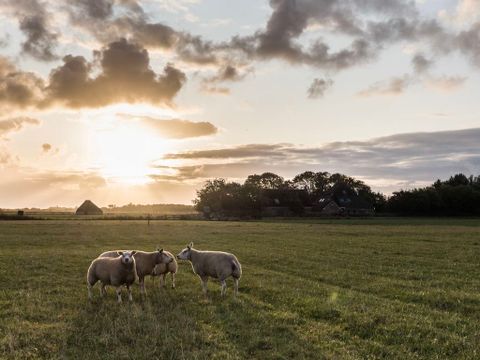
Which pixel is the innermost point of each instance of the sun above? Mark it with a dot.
(124, 151)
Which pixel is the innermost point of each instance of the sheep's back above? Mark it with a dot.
(110, 271)
(214, 263)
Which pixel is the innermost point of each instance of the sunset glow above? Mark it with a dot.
(152, 98)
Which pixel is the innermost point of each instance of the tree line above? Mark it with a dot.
(309, 191)
(220, 198)
(457, 196)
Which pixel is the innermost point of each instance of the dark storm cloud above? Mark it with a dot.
(176, 128)
(318, 88)
(403, 157)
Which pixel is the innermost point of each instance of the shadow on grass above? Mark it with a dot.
(167, 324)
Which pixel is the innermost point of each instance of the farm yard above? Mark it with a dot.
(312, 289)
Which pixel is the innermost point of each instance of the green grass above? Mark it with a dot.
(353, 289)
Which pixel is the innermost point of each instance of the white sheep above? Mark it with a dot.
(216, 264)
(115, 271)
(145, 263)
(163, 269)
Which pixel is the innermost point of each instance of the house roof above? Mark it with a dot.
(88, 208)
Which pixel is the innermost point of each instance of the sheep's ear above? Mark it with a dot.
(120, 253)
(191, 245)
(133, 252)
(160, 250)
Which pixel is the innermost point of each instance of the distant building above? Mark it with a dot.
(343, 201)
(88, 208)
(20, 212)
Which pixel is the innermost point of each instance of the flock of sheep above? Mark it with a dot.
(121, 268)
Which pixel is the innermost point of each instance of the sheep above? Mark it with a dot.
(145, 263)
(116, 271)
(163, 269)
(216, 264)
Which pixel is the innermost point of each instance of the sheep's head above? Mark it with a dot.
(127, 256)
(162, 257)
(185, 253)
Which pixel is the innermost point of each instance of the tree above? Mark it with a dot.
(266, 181)
(219, 198)
(313, 182)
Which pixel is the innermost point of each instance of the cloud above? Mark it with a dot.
(398, 85)
(421, 64)
(68, 180)
(318, 88)
(40, 42)
(367, 26)
(97, 9)
(446, 83)
(394, 86)
(15, 124)
(124, 75)
(17, 88)
(33, 20)
(226, 73)
(279, 40)
(176, 128)
(45, 188)
(4, 40)
(243, 151)
(466, 13)
(4, 156)
(396, 159)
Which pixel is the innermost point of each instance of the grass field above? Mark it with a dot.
(361, 289)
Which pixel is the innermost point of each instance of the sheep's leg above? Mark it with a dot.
(141, 280)
(173, 280)
(103, 292)
(129, 289)
(163, 281)
(90, 295)
(224, 286)
(118, 290)
(236, 286)
(204, 284)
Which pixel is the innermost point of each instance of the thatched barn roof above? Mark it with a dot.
(88, 208)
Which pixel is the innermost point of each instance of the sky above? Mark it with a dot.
(142, 101)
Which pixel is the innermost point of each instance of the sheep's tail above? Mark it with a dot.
(236, 269)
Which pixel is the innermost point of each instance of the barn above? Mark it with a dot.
(88, 208)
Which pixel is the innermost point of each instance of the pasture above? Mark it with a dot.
(360, 289)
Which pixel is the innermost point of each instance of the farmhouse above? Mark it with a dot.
(343, 201)
(88, 208)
